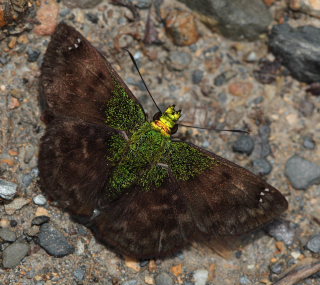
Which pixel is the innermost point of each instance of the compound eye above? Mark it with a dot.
(174, 129)
(157, 116)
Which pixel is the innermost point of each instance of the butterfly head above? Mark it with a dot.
(166, 122)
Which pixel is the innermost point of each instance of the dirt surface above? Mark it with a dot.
(278, 104)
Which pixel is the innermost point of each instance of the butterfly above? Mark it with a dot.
(142, 193)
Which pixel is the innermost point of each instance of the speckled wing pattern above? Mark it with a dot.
(76, 82)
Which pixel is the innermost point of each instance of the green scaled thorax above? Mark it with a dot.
(149, 155)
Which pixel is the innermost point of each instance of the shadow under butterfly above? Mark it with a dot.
(142, 194)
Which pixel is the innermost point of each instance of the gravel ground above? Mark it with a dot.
(213, 82)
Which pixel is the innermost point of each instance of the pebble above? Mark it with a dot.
(13, 223)
(53, 241)
(306, 6)
(237, 19)
(84, 4)
(302, 173)
(144, 263)
(15, 205)
(132, 263)
(314, 244)
(282, 231)
(200, 277)
(179, 60)
(40, 200)
(297, 48)
(197, 76)
(240, 88)
(306, 107)
(163, 279)
(244, 144)
(181, 27)
(309, 143)
(130, 282)
(224, 77)
(7, 235)
(262, 166)
(80, 273)
(7, 189)
(32, 231)
(93, 18)
(29, 153)
(244, 280)
(277, 267)
(33, 55)
(47, 15)
(14, 253)
(141, 4)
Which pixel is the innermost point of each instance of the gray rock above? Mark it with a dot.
(179, 60)
(309, 143)
(141, 4)
(37, 221)
(197, 76)
(7, 189)
(244, 280)
(277, 267)
(53, 241)
(84, 4)
(80, 273)
(298, 49)
(314, 244)
(33, 55)
(15, 205)
(163, 279)
(244, 144)
(302, 173)
(7, 235)
(282, 231)
(130, 282)
(200, 277)
(39, 200)
(262, 166)
(14, 253)
(237, 19)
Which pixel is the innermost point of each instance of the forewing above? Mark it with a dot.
(76, 80)
(73, 164)
(227, 199)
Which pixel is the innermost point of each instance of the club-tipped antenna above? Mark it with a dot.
(145, 85)
(213, 129)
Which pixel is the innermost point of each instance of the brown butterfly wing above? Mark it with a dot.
(73, 165)
(76, 80)
(230, 200)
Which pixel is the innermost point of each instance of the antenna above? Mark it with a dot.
(145, 85)
(213, 129)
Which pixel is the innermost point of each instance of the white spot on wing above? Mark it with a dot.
(79, 40)
(267, 190)
(76, 45)
(260, 200)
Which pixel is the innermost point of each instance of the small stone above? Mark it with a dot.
(177, 269)
(314, 244)
(15, 205)
(244, 144)
(224, 77)
(14, 253)
(130, 282)
(53, 241)
(306, 107)
(29, 153)
(83, 4)
(38, 221)
(251, 57)
(152, 266)
(181, 27)
(141, 4)
(47, 15)
(33, 231)
(93, 18)
(4, 223)
(179, 60)
(277, 267)
(295, 254)
(7, 189)
(163, 279)
(149, 280)
(244, 280)
(7, 235)
(80, 273)
(42, 212)
(144, 263)
(197, 76)
(241, 89)
(200, 277)
(132, 263)
(301, 172)
(13, 223)
(306, 6)
(309, 143)
(33, 55)
(40, 200)
(282, 231)
(262, 166)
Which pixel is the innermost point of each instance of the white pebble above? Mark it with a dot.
(200, 277)
(39, 200)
